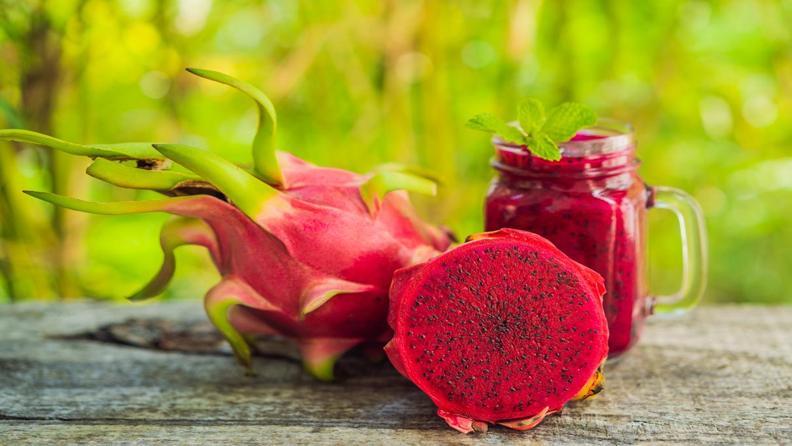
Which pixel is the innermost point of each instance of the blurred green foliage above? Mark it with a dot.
(707, 84)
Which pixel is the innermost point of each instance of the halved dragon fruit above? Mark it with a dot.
(503, 329)
(305, 252)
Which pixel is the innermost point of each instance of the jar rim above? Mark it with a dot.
(610, 135)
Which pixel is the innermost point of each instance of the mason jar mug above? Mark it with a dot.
(592, 205)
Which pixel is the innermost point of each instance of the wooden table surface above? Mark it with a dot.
(720, 375)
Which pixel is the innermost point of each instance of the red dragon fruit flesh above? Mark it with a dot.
(503, 329)
(305, 252)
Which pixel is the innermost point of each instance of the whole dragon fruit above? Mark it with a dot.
(502, 329)
(305, 252)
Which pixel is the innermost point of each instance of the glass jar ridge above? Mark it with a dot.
(603, 150)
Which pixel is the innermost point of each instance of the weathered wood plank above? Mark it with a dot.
(721, 375)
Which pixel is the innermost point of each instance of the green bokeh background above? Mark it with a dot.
(707, 84)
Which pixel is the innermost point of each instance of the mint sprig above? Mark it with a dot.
(540, 132)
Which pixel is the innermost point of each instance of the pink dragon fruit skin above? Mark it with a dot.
(305, 252)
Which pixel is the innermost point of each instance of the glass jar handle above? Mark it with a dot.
(694, 249)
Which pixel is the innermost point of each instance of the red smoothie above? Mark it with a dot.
(592, 205)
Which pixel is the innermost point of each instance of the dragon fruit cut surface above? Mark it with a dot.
(305, 252)
(503, 329)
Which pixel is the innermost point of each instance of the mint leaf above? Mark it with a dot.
(531, 115)
(544, 147)
(487, 122)
(564, 120)
(539, 132)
